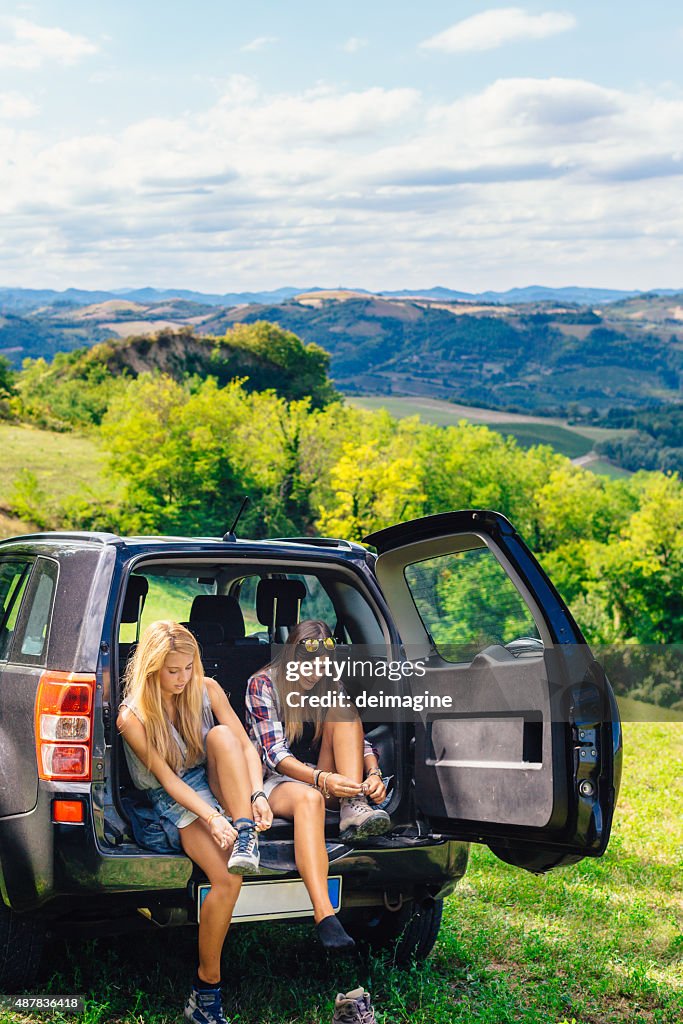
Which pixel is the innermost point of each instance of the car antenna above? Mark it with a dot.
(230, 535)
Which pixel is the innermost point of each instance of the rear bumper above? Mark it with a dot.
(61, 870)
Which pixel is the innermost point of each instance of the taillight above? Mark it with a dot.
(64, 709)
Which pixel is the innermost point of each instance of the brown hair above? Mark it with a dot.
(294, 718)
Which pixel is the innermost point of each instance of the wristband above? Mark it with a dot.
(257, 794)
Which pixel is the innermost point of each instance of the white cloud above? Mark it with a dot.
(497, 26)
(526, 177)
(354, 44)
(14, 105)
(30, 46)
(260, 43)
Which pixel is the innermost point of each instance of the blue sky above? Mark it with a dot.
(376, 144)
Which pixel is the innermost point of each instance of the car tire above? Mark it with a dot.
(407, 935)
(21, 946)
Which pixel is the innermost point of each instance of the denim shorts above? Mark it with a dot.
(169, 809)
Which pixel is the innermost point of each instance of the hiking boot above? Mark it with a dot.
(358, 820)
(244, 859)
(353, 1008)
(204, 1007)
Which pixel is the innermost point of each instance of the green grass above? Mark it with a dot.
(567, 439)
(62, 462)
(595, 943)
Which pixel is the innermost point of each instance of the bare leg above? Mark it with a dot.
(219, 903)
(307, 807)
(341, 748)
(227, 772)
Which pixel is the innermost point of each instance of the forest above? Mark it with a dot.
(184, 444)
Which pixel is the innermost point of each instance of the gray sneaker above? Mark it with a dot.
(353, 1008)
(245, 857)
(358, 819)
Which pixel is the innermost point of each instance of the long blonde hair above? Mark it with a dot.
(293, 719)
(142, 689)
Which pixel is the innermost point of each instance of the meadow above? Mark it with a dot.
(572, 441)
(596, 943)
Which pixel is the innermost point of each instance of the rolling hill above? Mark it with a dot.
(538, 357)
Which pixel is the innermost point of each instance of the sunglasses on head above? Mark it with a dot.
(313, 643)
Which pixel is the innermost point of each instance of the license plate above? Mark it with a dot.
(274, 900)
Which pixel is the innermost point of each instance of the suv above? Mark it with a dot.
(526, 759)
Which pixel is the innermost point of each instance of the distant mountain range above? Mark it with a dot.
(18, 300)
(542, 356)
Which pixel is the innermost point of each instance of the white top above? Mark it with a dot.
(142, 777)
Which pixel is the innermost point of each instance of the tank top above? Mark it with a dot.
(142, 777)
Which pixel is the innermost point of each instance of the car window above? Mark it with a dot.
(14, 575)
(32, 637)
(467, 601)
(315, 605)
(168, 597)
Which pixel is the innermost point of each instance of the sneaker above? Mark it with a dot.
(204, 1007)
(245, 857)
(353, 1008)
(358, 820)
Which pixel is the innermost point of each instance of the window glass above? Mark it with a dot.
(14, 574)
(34, 639)
(168, 597)
(467, 601)
(315, 605)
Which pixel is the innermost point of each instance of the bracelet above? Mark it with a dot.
(326, 792)
(216, 814)
(257, 794)
(374, 771)
(316, 777)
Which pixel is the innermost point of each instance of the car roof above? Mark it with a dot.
(62, 538)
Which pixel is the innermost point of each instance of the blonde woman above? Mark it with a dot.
(192, 769)
(310, 757)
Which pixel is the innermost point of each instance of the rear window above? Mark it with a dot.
(467, 602)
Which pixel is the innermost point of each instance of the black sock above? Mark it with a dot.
(332, 934)
(199, 983)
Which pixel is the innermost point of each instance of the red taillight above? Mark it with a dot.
(64, 704)
(71, 811)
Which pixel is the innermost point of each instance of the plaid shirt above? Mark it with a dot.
(265, 722)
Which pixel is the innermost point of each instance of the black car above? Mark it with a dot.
(523, 754)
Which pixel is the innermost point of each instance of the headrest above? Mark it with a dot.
(205, 632)
(134, 601)
(221, 608)
(281, 600)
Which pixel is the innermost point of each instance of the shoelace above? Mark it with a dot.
(246, 839)
(210, 1004)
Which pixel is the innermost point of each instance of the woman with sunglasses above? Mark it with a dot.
(312, 755)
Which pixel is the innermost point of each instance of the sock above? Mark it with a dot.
(199, 983)
(332, 934)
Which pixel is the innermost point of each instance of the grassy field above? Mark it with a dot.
(63, 464)
(528, 430)
(596, 943)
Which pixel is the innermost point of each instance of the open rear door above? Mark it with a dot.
(527, 756)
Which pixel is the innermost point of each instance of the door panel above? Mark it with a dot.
(524, 758)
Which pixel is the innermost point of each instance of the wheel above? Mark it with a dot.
(21, 945)
(408, 934)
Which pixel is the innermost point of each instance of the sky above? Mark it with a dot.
(222, 147)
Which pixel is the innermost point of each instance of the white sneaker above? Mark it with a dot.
(358, 820)
(245, 857)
